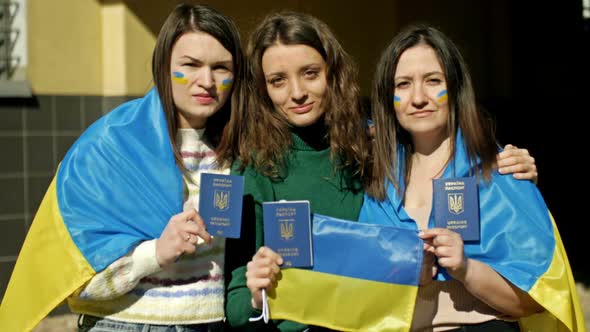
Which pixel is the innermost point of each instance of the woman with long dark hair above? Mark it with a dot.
(119, 221)
(427, 127)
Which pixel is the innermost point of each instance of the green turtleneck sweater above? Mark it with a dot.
(309, 175)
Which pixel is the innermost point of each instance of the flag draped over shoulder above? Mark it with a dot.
(519, 239)
(118, 185)
(364, 278)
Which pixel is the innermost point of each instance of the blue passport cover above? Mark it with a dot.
(220, 203)
(456, 206)
(287, 231)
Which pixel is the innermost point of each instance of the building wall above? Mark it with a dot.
(65, 47)
(87, 47)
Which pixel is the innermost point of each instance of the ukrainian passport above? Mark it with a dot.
(287, 231)
(456, 206)
(220, 203)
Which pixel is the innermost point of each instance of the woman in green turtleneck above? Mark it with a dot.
(302, 138)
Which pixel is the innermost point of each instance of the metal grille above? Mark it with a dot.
(8, 37)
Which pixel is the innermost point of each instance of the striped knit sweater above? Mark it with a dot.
(136, 289)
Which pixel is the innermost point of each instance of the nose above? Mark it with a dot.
(298, 91)
(205, 77)
(419, 98)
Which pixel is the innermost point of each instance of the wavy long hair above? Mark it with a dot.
(265, 138)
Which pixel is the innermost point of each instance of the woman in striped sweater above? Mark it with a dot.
(175, 282)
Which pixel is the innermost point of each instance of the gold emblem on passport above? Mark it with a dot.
(455, 202)
(221, 200)
(287, 229)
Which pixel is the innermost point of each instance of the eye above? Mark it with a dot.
(311, 74)
(221, 68)
(434, 81)
(189, 64)
(402, 84)
(276, 81)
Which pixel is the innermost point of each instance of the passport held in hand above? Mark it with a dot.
(287, 231)
(220, 204)
(456, 206)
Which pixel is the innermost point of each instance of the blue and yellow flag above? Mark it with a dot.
(365, 278)
(118, 185)
(519, 239)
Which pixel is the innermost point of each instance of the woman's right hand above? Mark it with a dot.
(448, 248)
(180, 236)
(262, 273)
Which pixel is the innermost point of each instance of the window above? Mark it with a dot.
(13, 50)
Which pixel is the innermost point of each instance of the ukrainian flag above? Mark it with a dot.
(364, 278)
(118, 185)
(519, 239)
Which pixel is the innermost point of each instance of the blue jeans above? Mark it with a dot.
(88, 323)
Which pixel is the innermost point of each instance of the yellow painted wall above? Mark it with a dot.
(87, 47)
(113, 50)
(140, 43)
(64, 46)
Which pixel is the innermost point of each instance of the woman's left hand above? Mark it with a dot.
(447, 246)
(517, 162)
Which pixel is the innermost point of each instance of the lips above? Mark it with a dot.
(421, 114)
(301, 109)
(204, 98)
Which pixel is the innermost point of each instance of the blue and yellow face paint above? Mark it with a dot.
(226, 84)
(178, 77)
(442, 96)
(397, 101)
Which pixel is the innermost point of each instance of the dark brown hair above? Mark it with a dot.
(197, 18)
(265, 135)
(476, 128)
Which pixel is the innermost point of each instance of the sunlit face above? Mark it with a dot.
(420, 92)
(201, 70)
(296, 82)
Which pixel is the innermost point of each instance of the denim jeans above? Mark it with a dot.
(88, 323)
